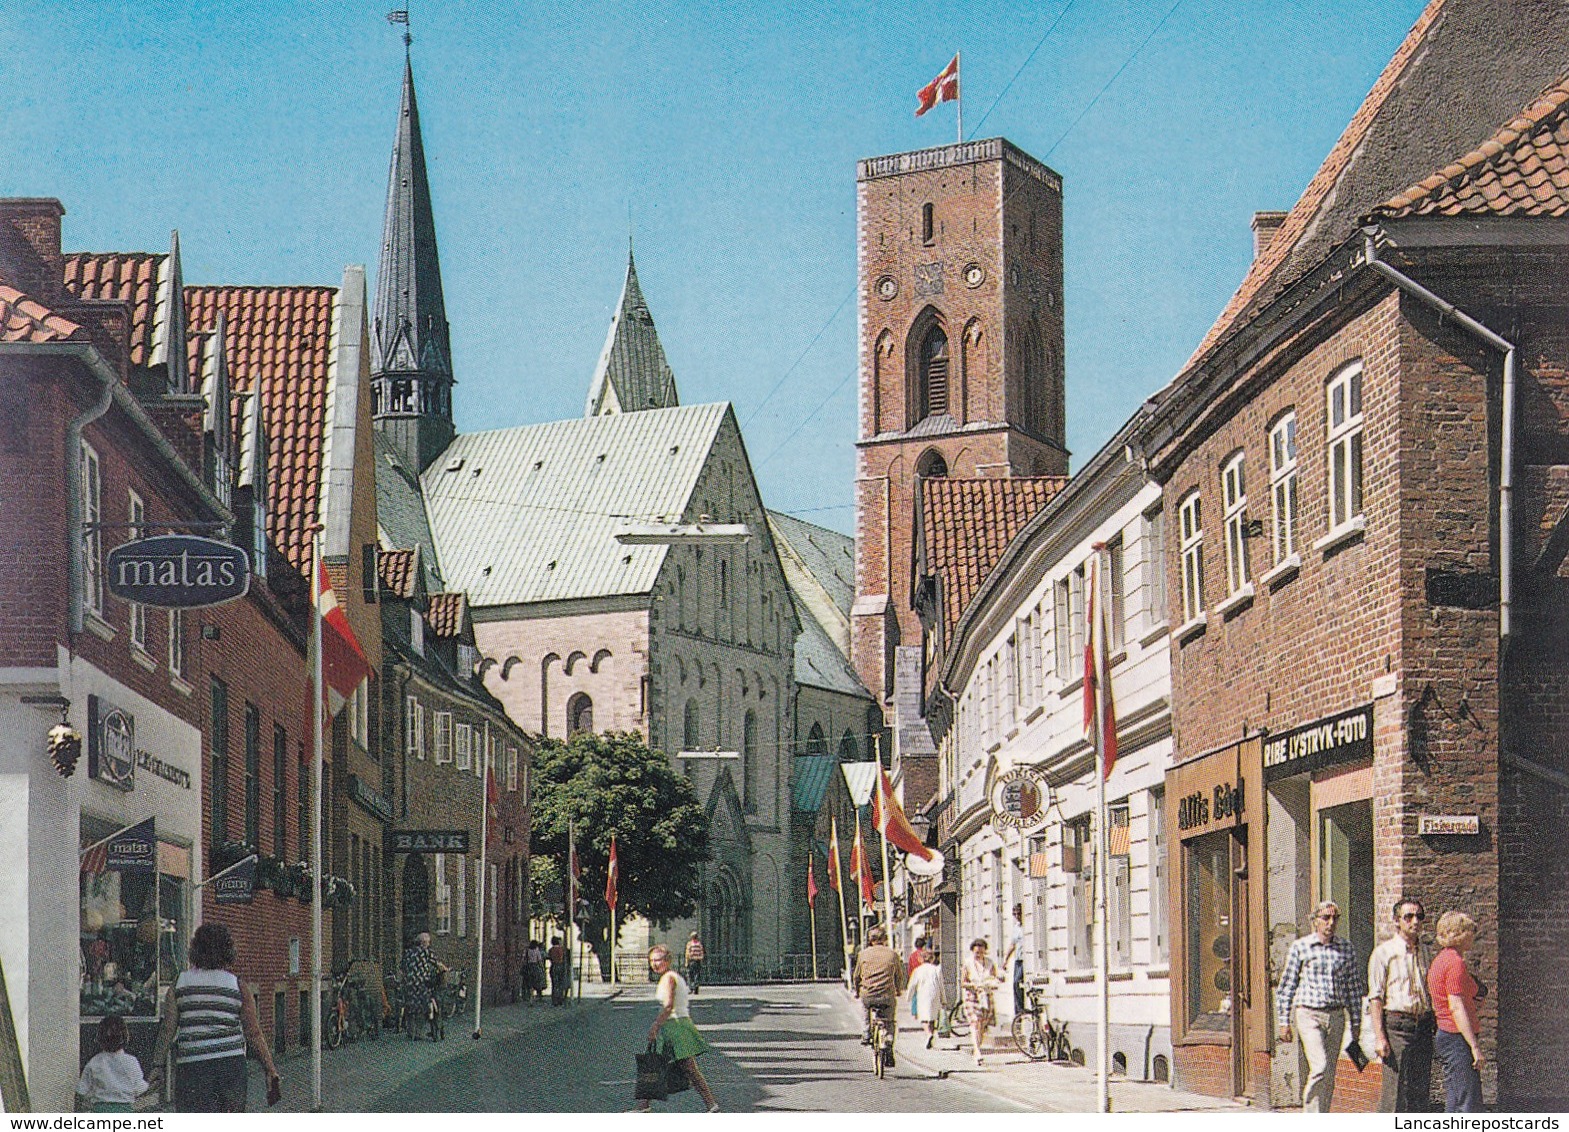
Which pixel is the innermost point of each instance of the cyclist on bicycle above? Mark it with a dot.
(880, 977)
(420, 969)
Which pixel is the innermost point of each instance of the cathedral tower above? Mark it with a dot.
(961, 362)
(411, 352)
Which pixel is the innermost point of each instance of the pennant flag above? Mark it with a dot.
(612, 875)
(811, 883)
(343, 663)
(944, 88)
(833, 854)
(888, 817)
(1100, 713)
(862, 867)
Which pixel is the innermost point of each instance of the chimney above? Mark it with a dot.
(30, 245)
(1265, 225)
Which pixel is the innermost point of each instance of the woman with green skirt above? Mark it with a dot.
(672, 1033)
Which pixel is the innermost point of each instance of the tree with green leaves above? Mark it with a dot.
(614, 784)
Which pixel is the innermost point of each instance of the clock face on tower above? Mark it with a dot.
(974, 275)
(887, 287)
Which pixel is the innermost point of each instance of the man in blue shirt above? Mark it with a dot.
(1322, 979)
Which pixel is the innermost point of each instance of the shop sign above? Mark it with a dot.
(146, 760)
(1019, 799)
(1335, 739)
(178, 571)
(1462, 824)
(370, 798)
(111, 744)
(1222, 804)
(427, 841)
(133, 850)
(238, 885)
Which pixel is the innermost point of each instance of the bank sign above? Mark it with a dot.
(178, 572)
(1327, 742)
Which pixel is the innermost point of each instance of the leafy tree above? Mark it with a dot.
(614, 784)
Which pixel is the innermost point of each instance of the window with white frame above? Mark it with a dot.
(441, 737)
(1234, 501)
(1116, 585)
(92, 538)
(1119, 892)
(1069, 593)
(137, 513)
(1344, 396)
(1192, 519)
(512, 769)
(1009, 681)
(1152, 561)
(443, 897)
(177, 642)
(414, 728)
(463, 747)
(359, 713)
(1283, 485)
(1078, 865)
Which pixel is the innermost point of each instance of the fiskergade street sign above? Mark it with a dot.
(178, 571)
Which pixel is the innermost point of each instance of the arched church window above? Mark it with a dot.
(933, 373)
(580, 714)
(689, 737)
(749, 768)
(931, 465)
(848, 751)
(816, 742)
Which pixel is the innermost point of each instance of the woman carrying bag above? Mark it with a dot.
(672, 1033)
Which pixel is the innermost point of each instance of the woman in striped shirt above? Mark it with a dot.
(209, 1015)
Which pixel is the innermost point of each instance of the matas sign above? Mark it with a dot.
(178, 572)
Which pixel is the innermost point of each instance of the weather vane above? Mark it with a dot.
(401, 16)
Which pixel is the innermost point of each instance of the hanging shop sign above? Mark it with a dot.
(133, 850)
(1019, 799)
(238, 884)
(427, 841)
(370, 798)
(1343, 738)
(111, 744)
(178, 571)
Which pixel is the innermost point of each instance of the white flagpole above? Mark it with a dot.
(1102, 958)
(958, 73)
(882, 832)
(318, 723)
(484, 878)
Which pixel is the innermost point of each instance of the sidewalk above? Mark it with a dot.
(356, 1074)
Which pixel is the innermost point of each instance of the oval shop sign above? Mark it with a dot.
(178, 571)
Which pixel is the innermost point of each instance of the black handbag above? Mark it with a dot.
(653, 1075)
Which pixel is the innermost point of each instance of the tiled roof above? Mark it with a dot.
(632, 374)
(828, 555)
(26, 320)
(279, 341)
(818, 661)
(968, 523)
(398, 571)
(134, 278)
(1523, 170)
(446, 613)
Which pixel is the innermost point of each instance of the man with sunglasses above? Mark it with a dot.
(1402, 1011)
(1322, 978)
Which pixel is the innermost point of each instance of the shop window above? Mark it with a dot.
(1234, 499)
(443, 897)
(133, 926)
(1345, 870)
(1283, 485)
(1078, 864)
(1192, 519)
(1208, 915)
(1344, 395)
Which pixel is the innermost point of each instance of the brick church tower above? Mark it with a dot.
(961, 368)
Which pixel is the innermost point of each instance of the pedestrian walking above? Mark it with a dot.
(534, 971)
(917, 954)
(421, 969)
(112, 1078)
(926, 992)
(694, 963)
(1323, 981)
(209, 1017)
(673, 1033)
(560, 971)
(1455, 993)
(978, 983)
(1015, 957)
(1401, 1011)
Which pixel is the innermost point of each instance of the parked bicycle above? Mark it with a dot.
(951, 1022)
(1037, 1036)
(452, 991)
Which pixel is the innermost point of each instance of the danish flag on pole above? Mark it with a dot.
(343, 663)
(1100, 713)
(944, 88)
(888, 817)
(612, 875)
(833, 854)
(811, 883)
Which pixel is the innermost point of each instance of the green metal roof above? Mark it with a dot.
(813, 774)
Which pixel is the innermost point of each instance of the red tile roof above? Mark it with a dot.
(398, 571)
(446, 613)
(124, 277)
(967, 524)
(26, 320)
(278, 341)
(1522, 170)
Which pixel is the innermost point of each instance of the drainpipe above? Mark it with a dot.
(1506, 459)
(74, 533)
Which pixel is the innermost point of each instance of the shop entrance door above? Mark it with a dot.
(1241, 974)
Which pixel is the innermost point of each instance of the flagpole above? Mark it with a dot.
(1102, 958)
(484, 876)
(958, 71)
(811, 911)
(318, 723)
(227, 871)
(844, 931)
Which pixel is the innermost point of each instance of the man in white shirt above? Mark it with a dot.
(1014, 959)
(1402, 1011)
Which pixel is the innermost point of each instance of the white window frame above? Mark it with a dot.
(1343, 418)
(1117, 610)
(442, 738)
(414, 728)
(463, 899)
(512, 769)
(359, 713)
(1283, 485)
(177, 643)
(1234, 503)
(1191, 518)
(136, 612)
(463, 747)
(1152, 554)
(92, 538)
(443, 897)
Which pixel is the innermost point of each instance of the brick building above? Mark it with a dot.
(1363, 469)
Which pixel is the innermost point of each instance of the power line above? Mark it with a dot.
(786, 375)
(1009, 84)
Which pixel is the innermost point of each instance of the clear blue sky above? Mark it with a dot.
(729, 132)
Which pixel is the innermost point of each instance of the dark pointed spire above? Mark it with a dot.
(632, 373)
(411, 353)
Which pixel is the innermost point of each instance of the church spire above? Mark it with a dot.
(411, 353)
(632, 373)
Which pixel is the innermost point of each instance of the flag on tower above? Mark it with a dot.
(811, 883)
(612, 875)
(343, 663)
(944, 88)
(833, 854)
(888, 817)
(1100, 713)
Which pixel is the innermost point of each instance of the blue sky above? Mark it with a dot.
(725, 135)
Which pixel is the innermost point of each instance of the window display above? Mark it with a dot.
(133, 928)
(1208, 899)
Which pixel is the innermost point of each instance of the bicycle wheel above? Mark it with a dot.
(1027, 1036)
(332, 1032)
(877, 1049)
(958, 1024)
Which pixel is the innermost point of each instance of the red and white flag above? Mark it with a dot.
(612, 875)
(343, 662)
(862, 867)
(833, 855)
(944, 88)
(492, 794)
(811, 883)
(1100, 713)
(888, 817)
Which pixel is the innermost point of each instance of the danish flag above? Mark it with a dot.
(944, 88)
